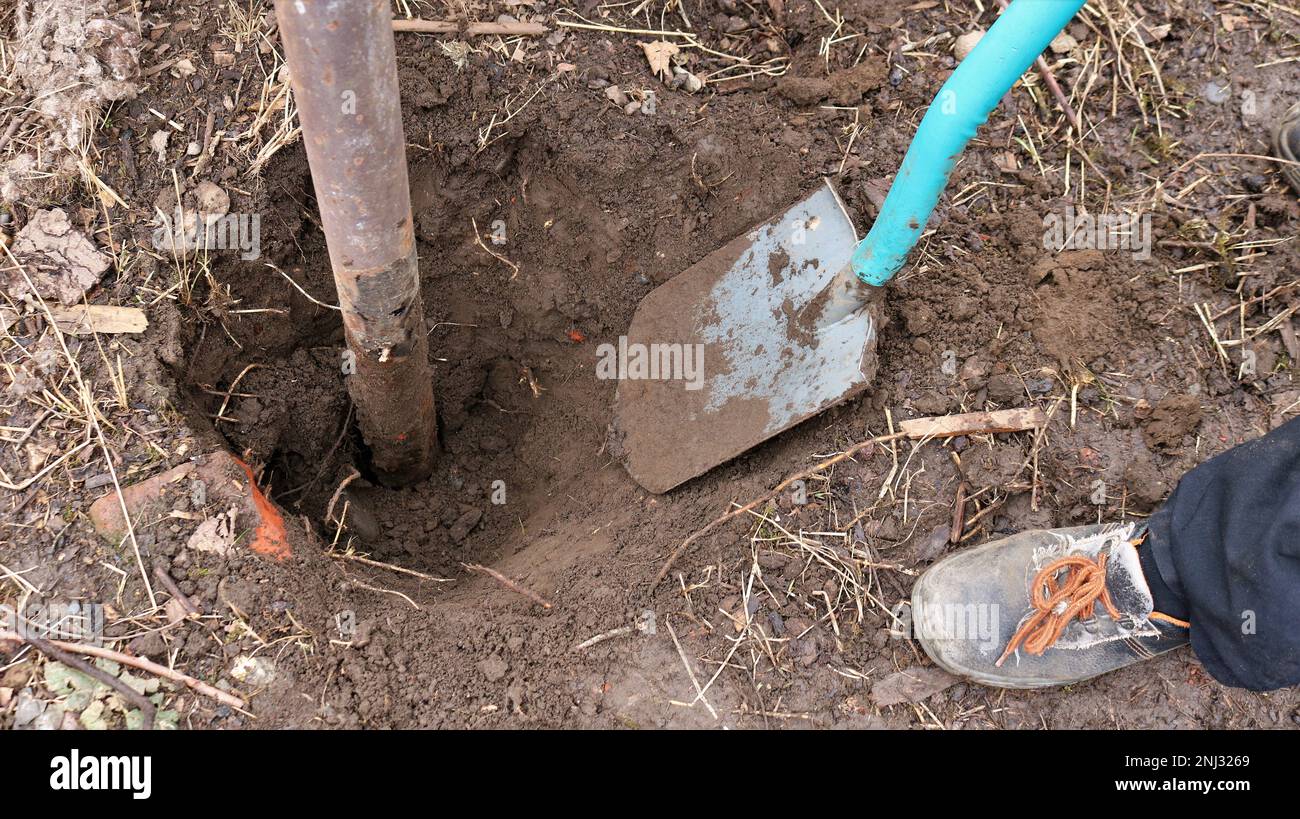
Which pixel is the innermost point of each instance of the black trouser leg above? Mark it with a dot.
(1226, 546)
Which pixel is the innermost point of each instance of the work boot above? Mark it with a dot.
(1286, 145)
(1042, 608)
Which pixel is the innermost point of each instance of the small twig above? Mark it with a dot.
(130, 694)
(14, 125)
(470, 29)
(305, 294)
(690, 672)
(603, 636)
(958, 514)
(369, 587)
(353, 474)
(390, 567)
(225, 402)
(170, 585)
(478, 240)
(22, 439)
(510, 584)
(137, 662)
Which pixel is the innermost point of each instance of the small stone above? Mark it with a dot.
(96, 481)
(975, 369)
(255, 671)
(632, 107)
(1041, 386)
(777, 624)
(51, 719)
(1063, 43)
(1005, 388)
(465, 524)
(1217, 92)
(158, 144)
(150, 644)
(963, 45)
(615, 95)
(211, 199)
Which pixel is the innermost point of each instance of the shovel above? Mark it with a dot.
(780, 324)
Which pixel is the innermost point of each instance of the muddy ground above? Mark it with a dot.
(785, 615)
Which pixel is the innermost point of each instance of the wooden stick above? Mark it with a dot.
(958, 514)
(170, 585)
(944, 426)
(975, 423)
(510, 584)
(136, 662)
(470, 29)
(134, 697)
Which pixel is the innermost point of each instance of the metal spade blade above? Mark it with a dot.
(724, 355)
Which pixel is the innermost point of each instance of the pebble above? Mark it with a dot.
(966, 43)
(254, 671)
(615, 95)
(1063, 43)
(50, 720)
(465, 524)
(1217, 91)
(1039, 386)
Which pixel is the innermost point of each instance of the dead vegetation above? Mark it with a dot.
(804, 584)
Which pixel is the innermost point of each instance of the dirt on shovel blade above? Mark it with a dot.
(723, 357)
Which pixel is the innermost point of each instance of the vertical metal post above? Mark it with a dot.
(344, 75)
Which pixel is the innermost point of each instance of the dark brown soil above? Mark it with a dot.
(597, 208)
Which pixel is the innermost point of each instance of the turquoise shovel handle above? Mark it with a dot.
(963, 104)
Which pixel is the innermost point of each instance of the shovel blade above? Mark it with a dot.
(718, 359)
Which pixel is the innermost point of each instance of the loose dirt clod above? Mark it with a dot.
(63, 263)
(71, 58)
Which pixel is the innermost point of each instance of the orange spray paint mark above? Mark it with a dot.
(269, 539)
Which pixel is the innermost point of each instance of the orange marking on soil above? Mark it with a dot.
(269, 539)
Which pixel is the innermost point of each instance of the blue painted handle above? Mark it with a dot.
(963, 104)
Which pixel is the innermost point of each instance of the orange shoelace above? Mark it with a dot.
(1058, 601)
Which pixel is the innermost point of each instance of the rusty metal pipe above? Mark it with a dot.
(344, 76)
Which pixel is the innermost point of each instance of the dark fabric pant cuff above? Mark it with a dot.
(1166, 601)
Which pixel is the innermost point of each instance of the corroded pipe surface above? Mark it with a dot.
(344, 77)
